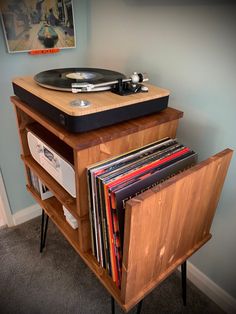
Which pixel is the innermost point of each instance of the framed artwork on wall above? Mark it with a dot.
(38, 24)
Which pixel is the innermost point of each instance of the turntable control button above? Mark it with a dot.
(80, 103)
(144, 88)
(62, 119)
(84, 103)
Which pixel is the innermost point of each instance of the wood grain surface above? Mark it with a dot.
(100, 101)
(167, 224)
(102, 135)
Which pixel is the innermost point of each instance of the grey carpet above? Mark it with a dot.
(58, 281)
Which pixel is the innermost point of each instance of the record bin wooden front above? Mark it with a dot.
(163, 226)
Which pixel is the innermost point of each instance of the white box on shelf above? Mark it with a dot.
(70, 218)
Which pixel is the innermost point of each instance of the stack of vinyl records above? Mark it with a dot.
(112, 182)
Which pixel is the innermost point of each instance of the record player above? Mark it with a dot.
(84, 99)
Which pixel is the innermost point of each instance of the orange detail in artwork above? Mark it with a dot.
(44, 51)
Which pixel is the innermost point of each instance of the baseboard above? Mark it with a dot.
(26, 214)
(4, 204)
(223, 299)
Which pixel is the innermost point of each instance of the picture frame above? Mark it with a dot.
(44, 191)
(39, 186)
(30, 25)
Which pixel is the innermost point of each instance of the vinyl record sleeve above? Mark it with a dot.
(147, 167)
(91, 216)
(114, 237)
(111, 213)
(103, 177)
(127, 163)
(121, 193)
(102, 164)
(100, 244)
(99, 227)
(138, 162)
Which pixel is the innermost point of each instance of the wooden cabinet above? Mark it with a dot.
(163, 226)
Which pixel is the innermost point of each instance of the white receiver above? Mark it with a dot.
(54, 164)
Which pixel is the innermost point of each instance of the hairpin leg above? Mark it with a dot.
(112, 305)
(139, 307)
(44, 229)
(184, 281)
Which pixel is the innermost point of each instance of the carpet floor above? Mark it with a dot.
(57, 281)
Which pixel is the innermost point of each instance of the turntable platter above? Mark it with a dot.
(62, 79)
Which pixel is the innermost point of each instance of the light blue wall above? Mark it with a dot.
(186, 46)
(20, 64)
(190, 48)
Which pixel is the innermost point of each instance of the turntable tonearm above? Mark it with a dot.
(100, 102)
(121, 86)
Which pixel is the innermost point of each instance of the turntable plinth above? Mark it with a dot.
(106, 108)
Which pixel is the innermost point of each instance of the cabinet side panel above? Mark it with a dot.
(22, 120)
(167, 224)
(84, 235)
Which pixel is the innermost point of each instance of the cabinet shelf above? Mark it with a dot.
(54, 210)
(62, 149)
(61, 194)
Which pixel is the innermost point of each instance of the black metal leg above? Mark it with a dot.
(139, 307)
(43, 231)
(184, 281)
(112, 305)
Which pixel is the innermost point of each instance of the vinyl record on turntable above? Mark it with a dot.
(62, 79)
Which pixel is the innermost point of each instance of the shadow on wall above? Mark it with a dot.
(201, 132)
(179, 2)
